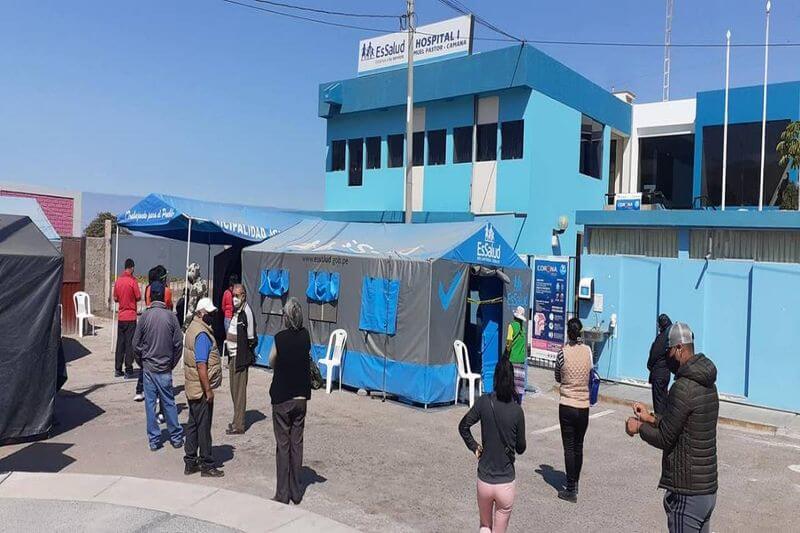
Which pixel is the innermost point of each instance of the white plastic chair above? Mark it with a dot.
(465, 373)
(333, 357)
(83, 310)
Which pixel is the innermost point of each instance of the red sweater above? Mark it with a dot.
(227, 303)
(126, 293)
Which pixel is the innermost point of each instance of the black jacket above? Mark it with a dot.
(657, 362)
(158, 341)
(245, 345)
(688, 431)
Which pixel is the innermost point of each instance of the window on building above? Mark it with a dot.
(487, 142)
(666, 168)
(437, 143)
(356, 149)
(338, 155)
(418, 157)
(395, 146)
(744, 164)
(591, 156)
(462, 144)
(373, 152)
(513, 134)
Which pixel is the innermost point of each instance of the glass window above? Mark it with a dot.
(462, 144)
(744, 164)
(356, 149)
(418, 157)
(437, 142)
(373, 152)
(512, 133)
(666, 168)
(591, 147)
(487, 142)
(395, 147)
(337, 155)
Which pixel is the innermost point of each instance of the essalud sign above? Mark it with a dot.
(441, 39)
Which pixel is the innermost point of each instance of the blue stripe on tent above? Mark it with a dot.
(408, 381)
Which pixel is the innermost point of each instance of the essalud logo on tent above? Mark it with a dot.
(486, 249)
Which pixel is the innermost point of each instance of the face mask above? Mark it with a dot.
(208, 319)
(672, 364)
(237, 302)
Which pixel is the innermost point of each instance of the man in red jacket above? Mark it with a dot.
(126, 294)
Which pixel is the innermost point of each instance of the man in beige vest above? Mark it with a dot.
(203, 373)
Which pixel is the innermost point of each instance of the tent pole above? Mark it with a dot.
(186, 286)
(113, 306)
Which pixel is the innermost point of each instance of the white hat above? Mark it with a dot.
(519, 313)
(205, 304)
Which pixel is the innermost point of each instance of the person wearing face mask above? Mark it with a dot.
(657, 365)
(687, 434)
(240, 340)
(202, 374)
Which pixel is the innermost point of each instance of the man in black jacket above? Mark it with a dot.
(687, 434)
(157, 346)
(657, 365)
(240, 341)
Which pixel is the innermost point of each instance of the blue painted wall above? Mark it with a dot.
(735, 308)
(745, 105)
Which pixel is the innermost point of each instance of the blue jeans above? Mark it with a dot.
(159, 385)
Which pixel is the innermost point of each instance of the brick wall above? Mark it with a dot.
(58, 210)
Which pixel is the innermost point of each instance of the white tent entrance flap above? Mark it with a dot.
(400, 291)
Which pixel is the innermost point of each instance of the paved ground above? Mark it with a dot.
(389, 467)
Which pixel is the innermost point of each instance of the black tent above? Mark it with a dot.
(31, 272)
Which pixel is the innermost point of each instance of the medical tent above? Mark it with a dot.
(403, 293)
(31, 272)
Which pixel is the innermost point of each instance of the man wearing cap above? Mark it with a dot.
(516, 341)
(157, 345)
(687, 434)
(203, 373)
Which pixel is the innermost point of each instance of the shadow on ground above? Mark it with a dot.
(555, 478)
(74, 409)
(253, 417)
(222, 454)
(38, 457)
(73, 349)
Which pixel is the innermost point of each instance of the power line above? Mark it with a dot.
(328, 12)
(544, 42)
(461, 8)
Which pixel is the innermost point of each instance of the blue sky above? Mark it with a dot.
(207, 99)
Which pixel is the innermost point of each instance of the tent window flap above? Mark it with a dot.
(323, 287)
(274, 282)
(379, 305)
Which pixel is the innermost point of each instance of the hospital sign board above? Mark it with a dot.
(446, 38)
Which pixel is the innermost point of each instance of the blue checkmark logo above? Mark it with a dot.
(445, 297)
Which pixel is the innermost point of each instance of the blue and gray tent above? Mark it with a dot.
(400, 291)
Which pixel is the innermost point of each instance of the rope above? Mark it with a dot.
(497, 300)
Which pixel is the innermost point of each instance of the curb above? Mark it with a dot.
(235, 510)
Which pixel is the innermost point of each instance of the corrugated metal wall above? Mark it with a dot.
(650, 242)
(773, 246)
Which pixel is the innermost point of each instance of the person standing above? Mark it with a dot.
(503, 436)
(240, 342)
(687, 434)
(127, 295)
(573, 367)
(289, 392)
(156, 274)
(203, 373)
(158, 344)
(227, 300)
(657, 365)
(516, 342)
(198, 289)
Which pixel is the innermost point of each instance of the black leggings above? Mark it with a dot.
(573, 428)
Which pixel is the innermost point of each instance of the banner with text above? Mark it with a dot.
(440, 39)
(549, 306)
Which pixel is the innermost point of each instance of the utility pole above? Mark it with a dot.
(667, 43)
(764, 113)
(725, 120)
(409, 200)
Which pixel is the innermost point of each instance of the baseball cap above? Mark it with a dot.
(519, 313)
(680, 333)
(205, 304)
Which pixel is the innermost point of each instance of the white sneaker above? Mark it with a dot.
(138, 398)
(160, 418)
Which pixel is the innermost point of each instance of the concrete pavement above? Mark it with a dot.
(185, 506)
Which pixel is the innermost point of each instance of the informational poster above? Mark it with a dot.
(549, 306)
(628, 201)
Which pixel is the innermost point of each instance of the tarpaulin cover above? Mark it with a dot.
(212, 222)
(29, 207)
(31, 273)
(379, 305)
(323, 286)
(274, 282)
